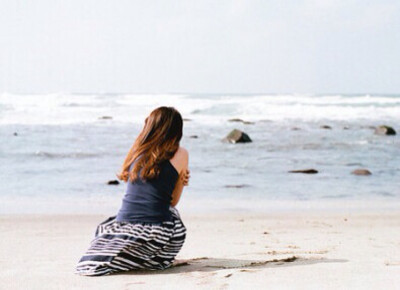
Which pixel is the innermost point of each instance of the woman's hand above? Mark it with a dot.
(185, 177)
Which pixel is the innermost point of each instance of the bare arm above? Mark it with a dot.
(180, 161)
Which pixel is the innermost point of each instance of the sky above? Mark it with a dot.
(191, 46)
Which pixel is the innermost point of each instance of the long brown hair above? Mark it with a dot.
(158, 141)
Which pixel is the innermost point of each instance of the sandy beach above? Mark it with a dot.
(286, 114)
(303, 250)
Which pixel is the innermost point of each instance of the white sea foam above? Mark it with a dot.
(81, 109)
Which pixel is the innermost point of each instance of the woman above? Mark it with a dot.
(147, 232)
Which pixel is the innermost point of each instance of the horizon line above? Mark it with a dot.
(201, 93)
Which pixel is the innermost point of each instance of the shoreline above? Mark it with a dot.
(189, 205)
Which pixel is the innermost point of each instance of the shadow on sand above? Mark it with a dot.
(206, 264)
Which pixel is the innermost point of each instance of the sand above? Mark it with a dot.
(237, 250)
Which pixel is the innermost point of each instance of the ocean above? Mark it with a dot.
(58, 151)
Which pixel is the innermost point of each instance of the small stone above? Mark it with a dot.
(105, 118)
(237, 136)
(326, 127)
(186, 120)
(361, 171)
(385, 130)
(306, 171)
(236, 185)
(15, 134)
(235, 120)
(353, 164)
(241, 121)
(113, 182)
(194, 136)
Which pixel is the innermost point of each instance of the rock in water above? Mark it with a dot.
(241, 121)
(361, 171)
(235, 120)
(15, 134)
(385, 130)
(236, 185)
(237, 136)
(326, 127)
(113, 182)
(307, 171)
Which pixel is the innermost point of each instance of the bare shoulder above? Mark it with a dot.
(182, 152)
(180, 159)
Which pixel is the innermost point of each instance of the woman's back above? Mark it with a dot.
(149, 200)
(147, 232)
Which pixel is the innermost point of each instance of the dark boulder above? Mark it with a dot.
(237, 136)
(361, 171)
(385, 130)
(113, 182)
(306, 171)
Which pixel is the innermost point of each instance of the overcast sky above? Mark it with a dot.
(298, 46)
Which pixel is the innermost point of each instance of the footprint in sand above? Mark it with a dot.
(392, 263)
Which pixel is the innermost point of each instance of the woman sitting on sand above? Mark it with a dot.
(147, 232)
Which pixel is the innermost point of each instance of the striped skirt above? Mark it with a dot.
(123, 246)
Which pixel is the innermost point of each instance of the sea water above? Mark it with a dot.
(58, 151)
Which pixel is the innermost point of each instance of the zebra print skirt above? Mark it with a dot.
(124, 246)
